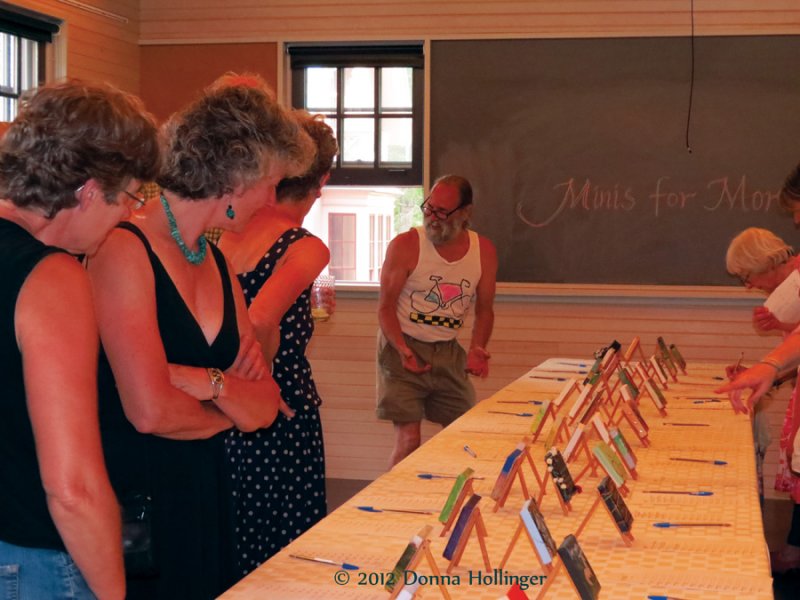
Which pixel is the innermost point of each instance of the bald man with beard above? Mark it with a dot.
(431, 278)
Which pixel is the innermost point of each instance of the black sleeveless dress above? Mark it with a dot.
(279, 473)
(186, 478)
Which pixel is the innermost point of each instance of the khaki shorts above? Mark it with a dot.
(441, 395)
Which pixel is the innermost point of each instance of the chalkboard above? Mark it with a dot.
(577, 154)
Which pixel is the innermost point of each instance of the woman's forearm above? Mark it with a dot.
(249, 404)
(88, 519)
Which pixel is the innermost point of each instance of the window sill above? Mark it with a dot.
(597, 293)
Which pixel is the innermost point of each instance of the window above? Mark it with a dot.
(23, 38)
(342, 244)
(380, 233)
(372, 96)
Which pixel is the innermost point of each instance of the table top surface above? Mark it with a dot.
(686, 562)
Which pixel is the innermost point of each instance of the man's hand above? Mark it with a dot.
(413, 364)
(478, 361)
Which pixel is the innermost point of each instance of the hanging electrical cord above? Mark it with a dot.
(691, 81)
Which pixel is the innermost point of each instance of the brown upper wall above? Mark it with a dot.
(197, 21)
(172, 75)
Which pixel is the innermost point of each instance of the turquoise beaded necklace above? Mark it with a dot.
(195, 258)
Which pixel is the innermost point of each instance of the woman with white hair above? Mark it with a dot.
(763, 261)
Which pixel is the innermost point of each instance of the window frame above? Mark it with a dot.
(23, 24)
(37, 79)
(341, 57)
(342, 243)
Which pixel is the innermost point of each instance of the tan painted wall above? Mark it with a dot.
(96, 47)
(547, 321)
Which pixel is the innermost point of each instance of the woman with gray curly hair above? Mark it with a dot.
(173, 322)
(69, 164)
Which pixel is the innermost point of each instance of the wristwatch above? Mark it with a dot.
(217, 382)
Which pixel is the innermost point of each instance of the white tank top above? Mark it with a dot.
(437, 295)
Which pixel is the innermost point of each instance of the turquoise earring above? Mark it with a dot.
(230, 212)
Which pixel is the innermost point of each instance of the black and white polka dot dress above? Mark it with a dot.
(279, 473)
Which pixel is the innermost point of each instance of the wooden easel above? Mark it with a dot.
(520, 528)
(549, 411)
(631, 470)
(475, 522)
(601, 429)
(465, 493)
(627, 537)
(526, 452)
(559, 432)
(676, 356)
(566, 392)
(606, 372)
(551, 577)
(649, 389)
(423, 551)
(516, 472)
(513, 474)
(615, 406)
(642, 372)
(578, 440)
(566, 507)
(608, 357)
(666, 363)
(634, 347)
(661, 375)
(640, 432)
(584, 397)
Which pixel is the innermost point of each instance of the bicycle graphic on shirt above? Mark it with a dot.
(442, 296)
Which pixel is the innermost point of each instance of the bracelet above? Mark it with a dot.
(217, 382)
(771, 362)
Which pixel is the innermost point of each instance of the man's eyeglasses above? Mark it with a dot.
(439, 213)
(744, 278)
(137, 200)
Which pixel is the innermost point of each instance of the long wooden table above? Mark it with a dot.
(688, 563)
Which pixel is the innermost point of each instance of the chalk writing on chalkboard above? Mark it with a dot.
(722, 194)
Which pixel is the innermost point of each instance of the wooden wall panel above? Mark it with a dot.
(297, 20)
(173, 74)
(528, 330)
(97, 48)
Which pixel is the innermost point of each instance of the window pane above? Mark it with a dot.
(396, 89)
(359, 89)
(8, 63)
(321, 89)
(342, 243)
(30, 64)
(396, 141)
(358, 141)
(8, 109)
